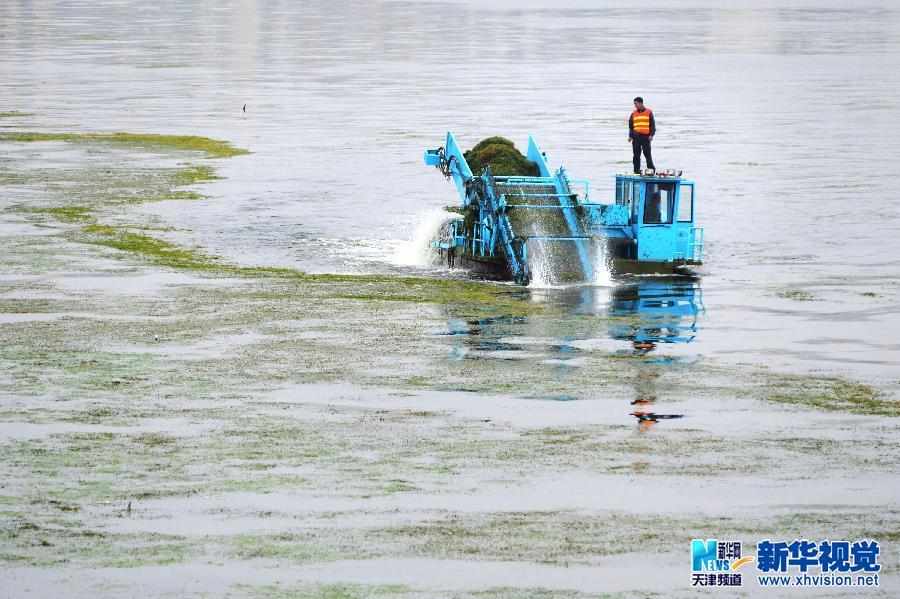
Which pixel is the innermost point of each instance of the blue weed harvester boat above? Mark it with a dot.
(505, 223)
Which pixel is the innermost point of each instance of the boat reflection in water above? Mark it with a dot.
(647, 313)
(643, 311)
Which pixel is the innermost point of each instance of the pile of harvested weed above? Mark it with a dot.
(502, 156)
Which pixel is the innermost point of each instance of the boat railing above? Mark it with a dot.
(697, 242)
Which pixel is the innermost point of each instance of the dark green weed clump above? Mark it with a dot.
(502, 156)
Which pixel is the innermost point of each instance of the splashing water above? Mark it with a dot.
(539, 260)
(602, 271)
(542, 260)
(544, 273)
(541, 264)
(417, 251)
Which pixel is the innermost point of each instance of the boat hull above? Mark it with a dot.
(495, 268)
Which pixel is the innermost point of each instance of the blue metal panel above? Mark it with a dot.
(535, 155)
(656, 243)
(683, 239)
(432, 158)
(614, 215)
(459, 168)
(454, 165)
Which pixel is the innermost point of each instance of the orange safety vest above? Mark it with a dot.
(640, 121)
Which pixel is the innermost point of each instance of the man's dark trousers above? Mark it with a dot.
(641, 142)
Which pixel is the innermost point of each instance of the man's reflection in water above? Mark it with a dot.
(647, 313)
(645, 389)
(642, 348)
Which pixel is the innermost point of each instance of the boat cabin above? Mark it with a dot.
(660, 209)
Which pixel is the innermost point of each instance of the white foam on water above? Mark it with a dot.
(417, 251)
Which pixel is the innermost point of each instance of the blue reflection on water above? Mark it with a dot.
(642, 311)
(661, 311)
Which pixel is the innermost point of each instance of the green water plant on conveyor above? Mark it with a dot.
(502, 156)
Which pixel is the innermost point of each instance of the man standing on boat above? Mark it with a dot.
(641, 129)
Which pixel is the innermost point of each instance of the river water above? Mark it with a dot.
(785, 114)
(238, 412)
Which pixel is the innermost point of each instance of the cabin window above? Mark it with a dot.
(623, 192)
(686, 204)
(636, 201)
(658, 204)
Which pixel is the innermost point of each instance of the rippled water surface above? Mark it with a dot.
(785, 114)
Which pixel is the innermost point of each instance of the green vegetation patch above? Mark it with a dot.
(360, 287)
(53, 542)
(289, 546)
(93, 189)
(213, 148)
(7, 178)
(156, 250)
(157, 550)
(95, 229)
(183, 195)
(11, 114)
(155, 439)
(68, 214)
(502, 156)
(195, 174)
(832, 394)
(797, 295)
